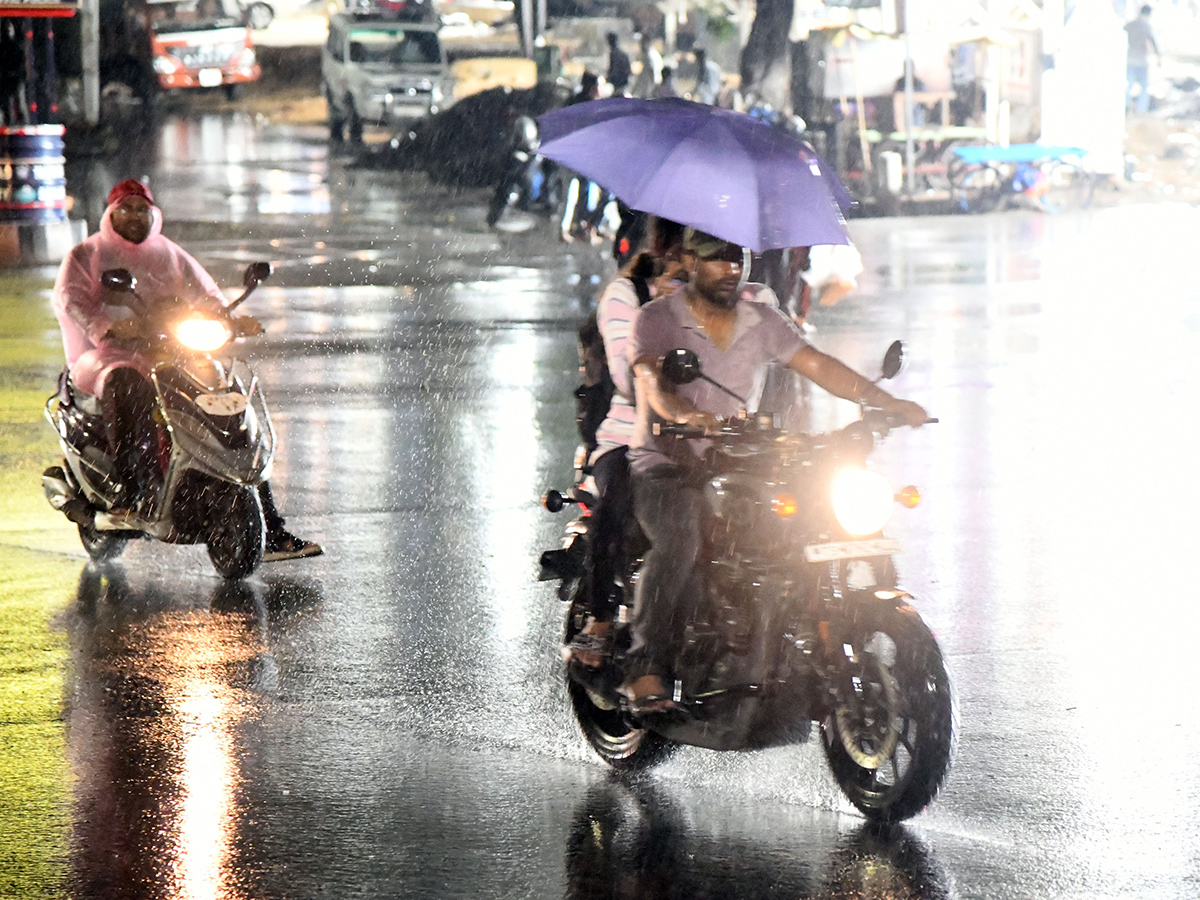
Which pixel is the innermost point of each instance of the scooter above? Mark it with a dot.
(215, 441)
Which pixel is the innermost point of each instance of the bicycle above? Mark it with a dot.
(1051, 179)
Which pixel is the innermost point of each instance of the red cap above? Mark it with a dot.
(127, 188)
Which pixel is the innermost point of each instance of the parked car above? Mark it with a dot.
(380, 69)
(201, 43)
(150, 47)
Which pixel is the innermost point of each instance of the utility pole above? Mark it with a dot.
(89, 28)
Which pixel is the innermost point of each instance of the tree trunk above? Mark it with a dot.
(765, 68)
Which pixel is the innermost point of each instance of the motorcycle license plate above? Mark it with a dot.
(851, 549)
(210, 77)
(231, 404)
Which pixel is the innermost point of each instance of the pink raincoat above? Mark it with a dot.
(163, 270)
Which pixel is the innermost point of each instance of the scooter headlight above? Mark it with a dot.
(862, 501)
(202, 334)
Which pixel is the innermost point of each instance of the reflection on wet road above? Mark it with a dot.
(389, 719)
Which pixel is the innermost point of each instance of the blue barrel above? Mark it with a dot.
(33, 180)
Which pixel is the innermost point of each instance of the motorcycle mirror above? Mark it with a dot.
(256, 273)
(119, 280)
(681, 366)
(893, 360)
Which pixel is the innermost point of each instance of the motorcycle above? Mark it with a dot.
(800, 616)
(215, 441)
(531, 181)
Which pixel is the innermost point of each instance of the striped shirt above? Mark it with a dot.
(615, 312)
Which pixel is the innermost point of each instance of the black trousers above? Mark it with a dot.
(128, 402)
(669, 504)
(614, 505)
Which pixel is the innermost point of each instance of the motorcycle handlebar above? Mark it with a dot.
(670, 429)
(876, 419)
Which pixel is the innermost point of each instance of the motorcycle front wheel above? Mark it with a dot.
(236, 531)
(618, 740)
(890, 750)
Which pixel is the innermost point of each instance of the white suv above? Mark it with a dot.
(382, 71)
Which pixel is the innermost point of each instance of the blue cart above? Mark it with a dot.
(1049, 178)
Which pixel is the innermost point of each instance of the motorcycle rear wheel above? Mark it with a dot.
(899, 658)
(236, 531)
(102, 546)
(617, 740)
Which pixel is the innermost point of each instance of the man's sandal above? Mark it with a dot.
(590, 648)
(656, 701)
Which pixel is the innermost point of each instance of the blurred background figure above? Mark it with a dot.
(665, 89)
(619, 67)
(1141, 42)
(652, 63)
(708, 79)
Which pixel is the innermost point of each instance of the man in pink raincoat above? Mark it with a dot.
(101, 363)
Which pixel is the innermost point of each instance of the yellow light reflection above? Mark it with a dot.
(207, 779)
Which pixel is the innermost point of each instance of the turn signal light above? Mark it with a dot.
(909, 496)
(784, 506)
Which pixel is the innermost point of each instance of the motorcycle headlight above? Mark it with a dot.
(862, 501)
(202, 334)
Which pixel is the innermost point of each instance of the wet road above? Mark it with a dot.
(388, 720)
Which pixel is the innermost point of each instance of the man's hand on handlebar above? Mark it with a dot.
(701, 419)
(246, 326)
(914, 414)
(125, 330)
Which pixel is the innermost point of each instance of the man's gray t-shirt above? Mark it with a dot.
(1141, 40)
(762, 335)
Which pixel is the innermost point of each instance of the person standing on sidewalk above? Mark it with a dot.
(1141, 42)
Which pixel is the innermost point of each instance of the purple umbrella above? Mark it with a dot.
(717, 170)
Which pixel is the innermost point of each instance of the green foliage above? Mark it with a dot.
(721, 27)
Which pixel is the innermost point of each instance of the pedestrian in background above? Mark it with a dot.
(619, 67)
(708, 79)
(652, 62)
(665, 89)
(1141, 42)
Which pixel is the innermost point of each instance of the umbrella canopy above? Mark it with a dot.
(717, 170)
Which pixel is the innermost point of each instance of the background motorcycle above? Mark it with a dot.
(798, 617)
(215, 439)
(530, 183)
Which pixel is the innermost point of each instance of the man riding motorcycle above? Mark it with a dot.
(102, 359)
(734, 339)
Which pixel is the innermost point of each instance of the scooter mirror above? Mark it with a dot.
(681, 366)
(256, 273)
(118, 280)
(893, 359)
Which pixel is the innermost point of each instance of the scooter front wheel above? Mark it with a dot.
(236, 531)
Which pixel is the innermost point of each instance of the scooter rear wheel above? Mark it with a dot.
(102, 546)
(236, 531)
